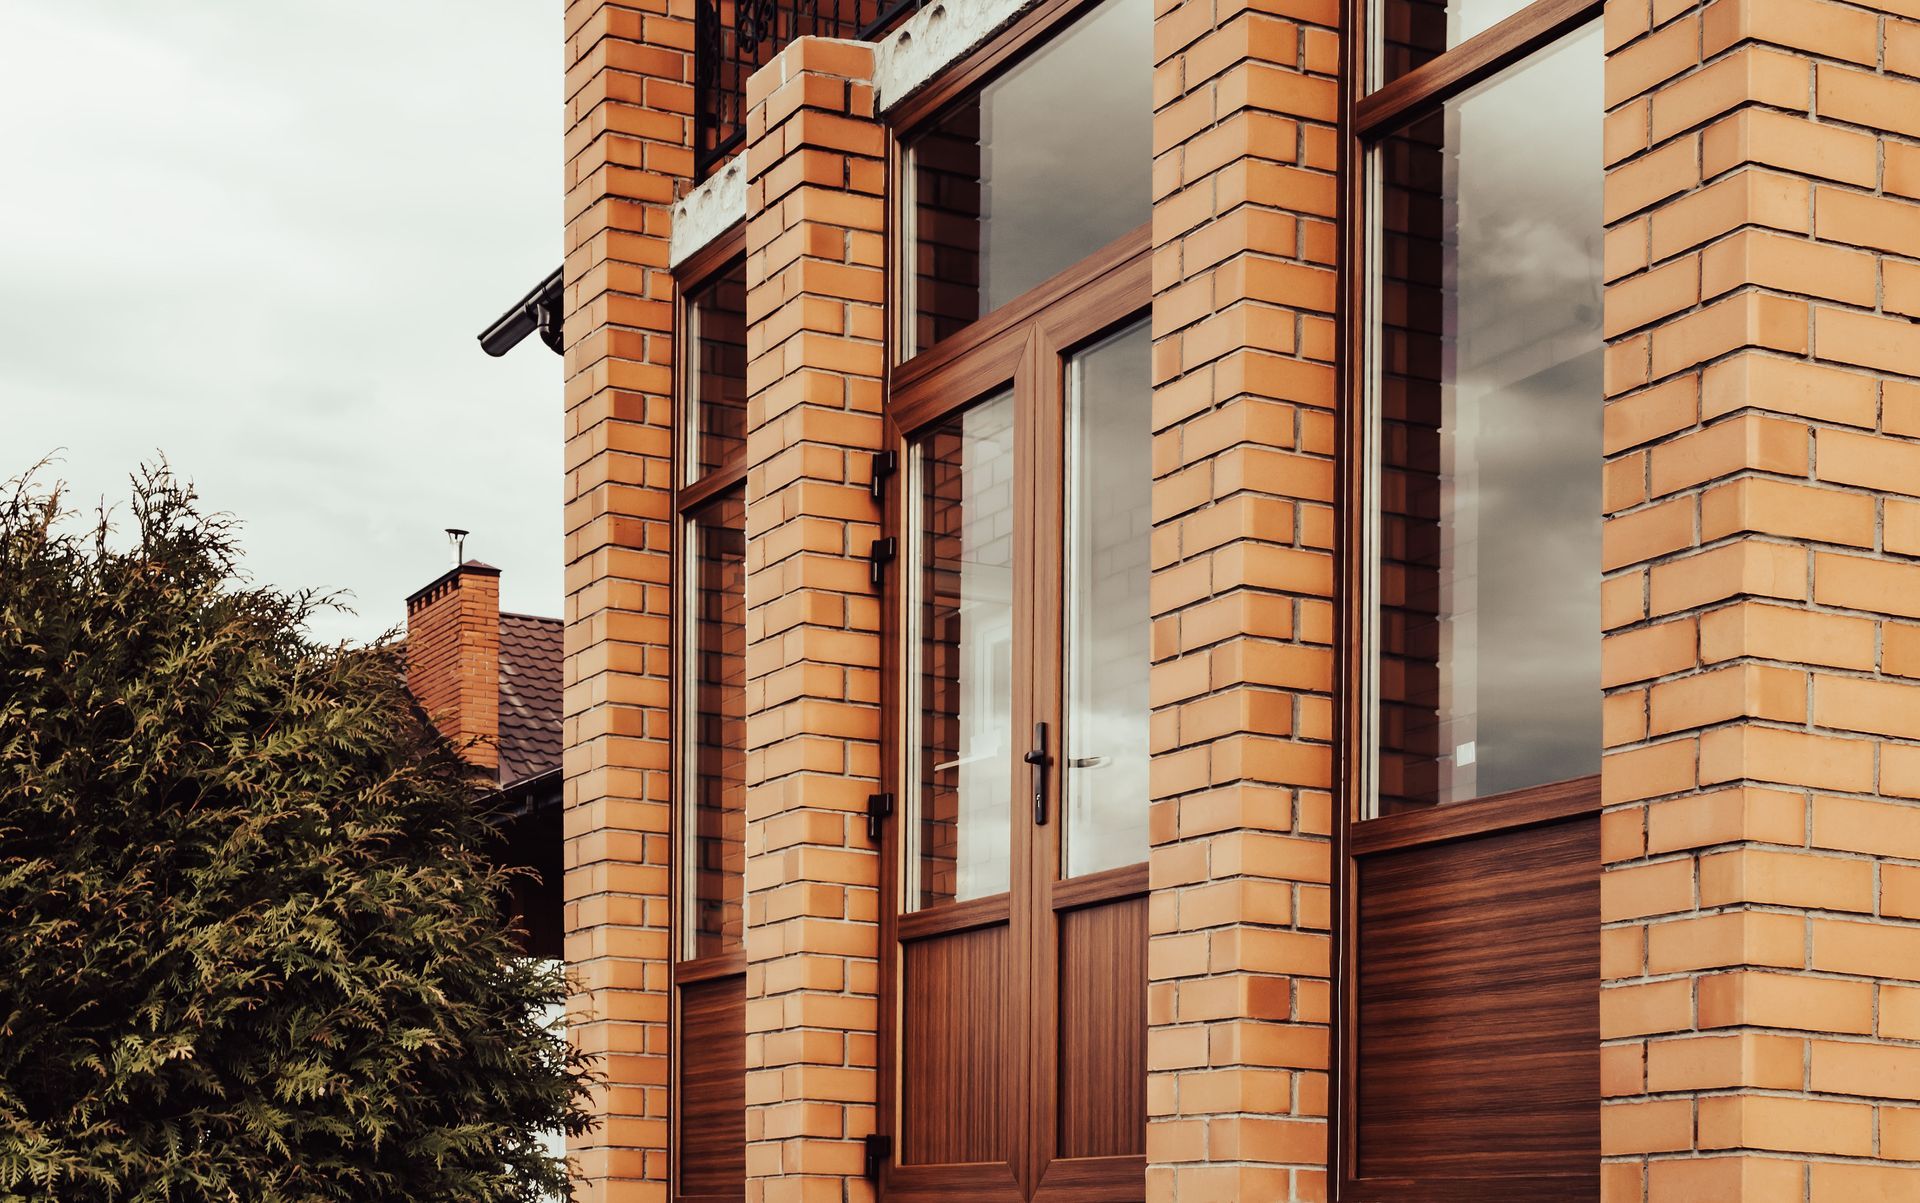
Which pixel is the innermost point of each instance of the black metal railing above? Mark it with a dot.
(735, 38)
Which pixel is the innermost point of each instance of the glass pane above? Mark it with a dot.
(1109, 519)
(717, 735)
(1413, 32)
(716, 416)
(1004, 200)
(1487, 400)
(963, 745)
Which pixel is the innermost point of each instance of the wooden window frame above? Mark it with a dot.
(690, 499)
(1365, 117)
(915, 115)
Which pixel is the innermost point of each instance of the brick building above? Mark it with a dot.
(491, 681)
(1204, 599)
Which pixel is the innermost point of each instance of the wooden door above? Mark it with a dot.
(1014, 949)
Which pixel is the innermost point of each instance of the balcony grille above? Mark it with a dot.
(735, 38)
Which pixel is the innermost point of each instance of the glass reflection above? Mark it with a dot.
(717, 672)
(1487, 400)
(1109, 520)
(1003, 200)
(963, 468)
(1414, 32)
(716, 416)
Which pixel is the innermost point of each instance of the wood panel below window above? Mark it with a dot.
(1477, 1060)
(712, 1117)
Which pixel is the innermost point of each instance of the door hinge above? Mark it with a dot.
(885, 464)
(879, 556)
(879, 1150)
(879, 808)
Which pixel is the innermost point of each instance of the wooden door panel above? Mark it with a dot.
(1477, 1010)
(957, 1055)
(1103, 1031)
(713, 1089)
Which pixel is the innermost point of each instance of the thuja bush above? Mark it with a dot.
(251, 944)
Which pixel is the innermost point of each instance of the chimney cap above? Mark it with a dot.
(465, 568)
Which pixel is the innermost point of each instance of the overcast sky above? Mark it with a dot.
(259, 236)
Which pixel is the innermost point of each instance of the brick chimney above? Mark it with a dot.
(453, 658)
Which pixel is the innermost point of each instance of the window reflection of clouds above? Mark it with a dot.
(1494, 583)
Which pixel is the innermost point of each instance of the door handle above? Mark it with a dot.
(1039, 760)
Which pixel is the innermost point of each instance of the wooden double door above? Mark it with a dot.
(1014, 1008)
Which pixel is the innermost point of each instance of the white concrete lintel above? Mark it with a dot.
(716, 206)
(934, 39)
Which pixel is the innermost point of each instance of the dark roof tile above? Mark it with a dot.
(530, 681)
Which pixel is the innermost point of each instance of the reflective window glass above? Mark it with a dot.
(1109, 522)
(1410, 33)
(716, 391)
(1043, 166)
(963, 548)
(1486, 405)
(717, 718)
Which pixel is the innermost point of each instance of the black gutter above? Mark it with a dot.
(538, 310)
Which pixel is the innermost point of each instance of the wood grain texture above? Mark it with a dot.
(954, 1062)
(1431, 825)
(712, 1116)
(1480, 57)
(1103, 1030)
(1477, 1000)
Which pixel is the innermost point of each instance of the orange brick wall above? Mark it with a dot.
(815, 363)
(453, 659)
(1761, 961)
(628, 133)
(1244, 284)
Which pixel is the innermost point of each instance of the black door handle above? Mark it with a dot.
(1039, 760)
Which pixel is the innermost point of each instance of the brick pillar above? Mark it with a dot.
(628, 139)
(815, 360)
(1763, 774)
(1244, 238)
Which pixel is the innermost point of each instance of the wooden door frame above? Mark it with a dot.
(1364, 117)
(1023, 344)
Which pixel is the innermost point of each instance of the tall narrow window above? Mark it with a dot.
(1487, 443)
(1470, 886)
(710, 720)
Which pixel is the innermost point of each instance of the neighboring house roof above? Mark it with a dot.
(530, 677)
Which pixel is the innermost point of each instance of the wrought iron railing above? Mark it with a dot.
(735, 38)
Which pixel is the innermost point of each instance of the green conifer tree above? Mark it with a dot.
(252, 947)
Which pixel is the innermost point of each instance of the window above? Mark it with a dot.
(1469, 916)
(1484, 411)
(710, 721)
(1002, 201)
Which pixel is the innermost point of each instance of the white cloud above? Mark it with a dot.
(260, 238)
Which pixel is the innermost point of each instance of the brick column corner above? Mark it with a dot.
(628, 155)
(1760, 1002)
(816, 358)
(1245, 186)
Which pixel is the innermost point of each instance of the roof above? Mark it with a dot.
(530, 676)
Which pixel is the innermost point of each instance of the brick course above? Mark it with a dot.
(815, 259)
(1758, 736)
(1242, 681)
(628, 154)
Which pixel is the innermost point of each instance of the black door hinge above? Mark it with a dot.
(879, 807)
(885, 464)
(879, 556)
(879, 1150)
